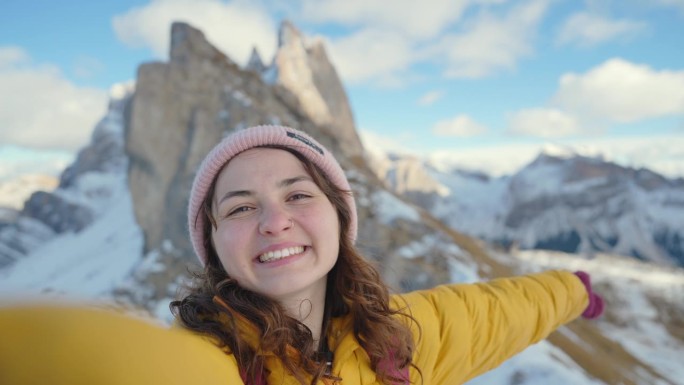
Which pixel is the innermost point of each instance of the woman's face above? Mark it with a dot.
(277, 233)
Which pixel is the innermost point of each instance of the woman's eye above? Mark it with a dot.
(298, 196)
(239, 210)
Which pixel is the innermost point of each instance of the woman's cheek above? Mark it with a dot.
(231, 236)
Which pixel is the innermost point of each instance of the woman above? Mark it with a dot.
(285, 292)
(287, 298)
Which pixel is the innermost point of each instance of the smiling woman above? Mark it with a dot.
(273, 220)
(286, 298)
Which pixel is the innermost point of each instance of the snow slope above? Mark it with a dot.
(84, 265)
(644, 298)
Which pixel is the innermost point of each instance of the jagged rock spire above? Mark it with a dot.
(255, 63)
(288, 33)
(190, 43)
(305, 70)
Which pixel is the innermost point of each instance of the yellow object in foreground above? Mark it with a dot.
(37, 342)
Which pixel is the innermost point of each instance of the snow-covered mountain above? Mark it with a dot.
(83, 193)
(560, 201)
(110, 256)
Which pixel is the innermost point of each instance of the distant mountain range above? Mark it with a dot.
(560, 201)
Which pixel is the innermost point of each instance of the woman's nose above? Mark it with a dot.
(274, 220)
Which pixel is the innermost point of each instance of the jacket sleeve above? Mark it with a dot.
(467, 329)
(77, 345)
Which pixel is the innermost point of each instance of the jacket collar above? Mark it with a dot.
(341, 341)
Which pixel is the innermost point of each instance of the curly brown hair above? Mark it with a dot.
(215, 302)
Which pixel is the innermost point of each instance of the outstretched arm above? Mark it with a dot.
(468, 329)
(76, 345)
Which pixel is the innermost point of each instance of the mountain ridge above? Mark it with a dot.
(567, 202)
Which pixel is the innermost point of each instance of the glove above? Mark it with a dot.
(595, 307)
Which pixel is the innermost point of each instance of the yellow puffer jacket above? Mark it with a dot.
(465, 330)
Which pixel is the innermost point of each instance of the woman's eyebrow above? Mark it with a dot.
(283, 183)
(290, 181)
(232, 194)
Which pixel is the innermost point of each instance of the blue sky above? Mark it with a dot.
(481, 83)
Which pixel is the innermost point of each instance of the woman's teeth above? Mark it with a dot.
(280, 254)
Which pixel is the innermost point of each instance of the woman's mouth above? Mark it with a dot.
(280, 254)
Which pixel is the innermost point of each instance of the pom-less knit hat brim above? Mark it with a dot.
(243, 140)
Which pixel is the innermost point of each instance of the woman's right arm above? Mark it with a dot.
(78, 345)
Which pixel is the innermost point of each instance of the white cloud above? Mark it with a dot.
(623, 92)
(372, 54)
(234, 28)
(662, 154)
(430, 98)
(11, 56)
(462, 126)
(16, 161)
(377, 145)
(414, 19)
(502, 159)
(543, 122)
(587, 29)
(384, 43)
(39, 108)
(491, 43)
(85, 67)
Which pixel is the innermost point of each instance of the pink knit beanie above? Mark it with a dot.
(254, 137)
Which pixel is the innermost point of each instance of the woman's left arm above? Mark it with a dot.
(472, 328)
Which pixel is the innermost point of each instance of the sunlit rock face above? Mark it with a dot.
(303, 67)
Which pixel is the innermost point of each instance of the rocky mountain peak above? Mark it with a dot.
(255, 63)
(576, 168)
(288, 34)
(582, 168)
(544, 159)
(189, 43)
(649, 180)
(304, 69)
(105, 152)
